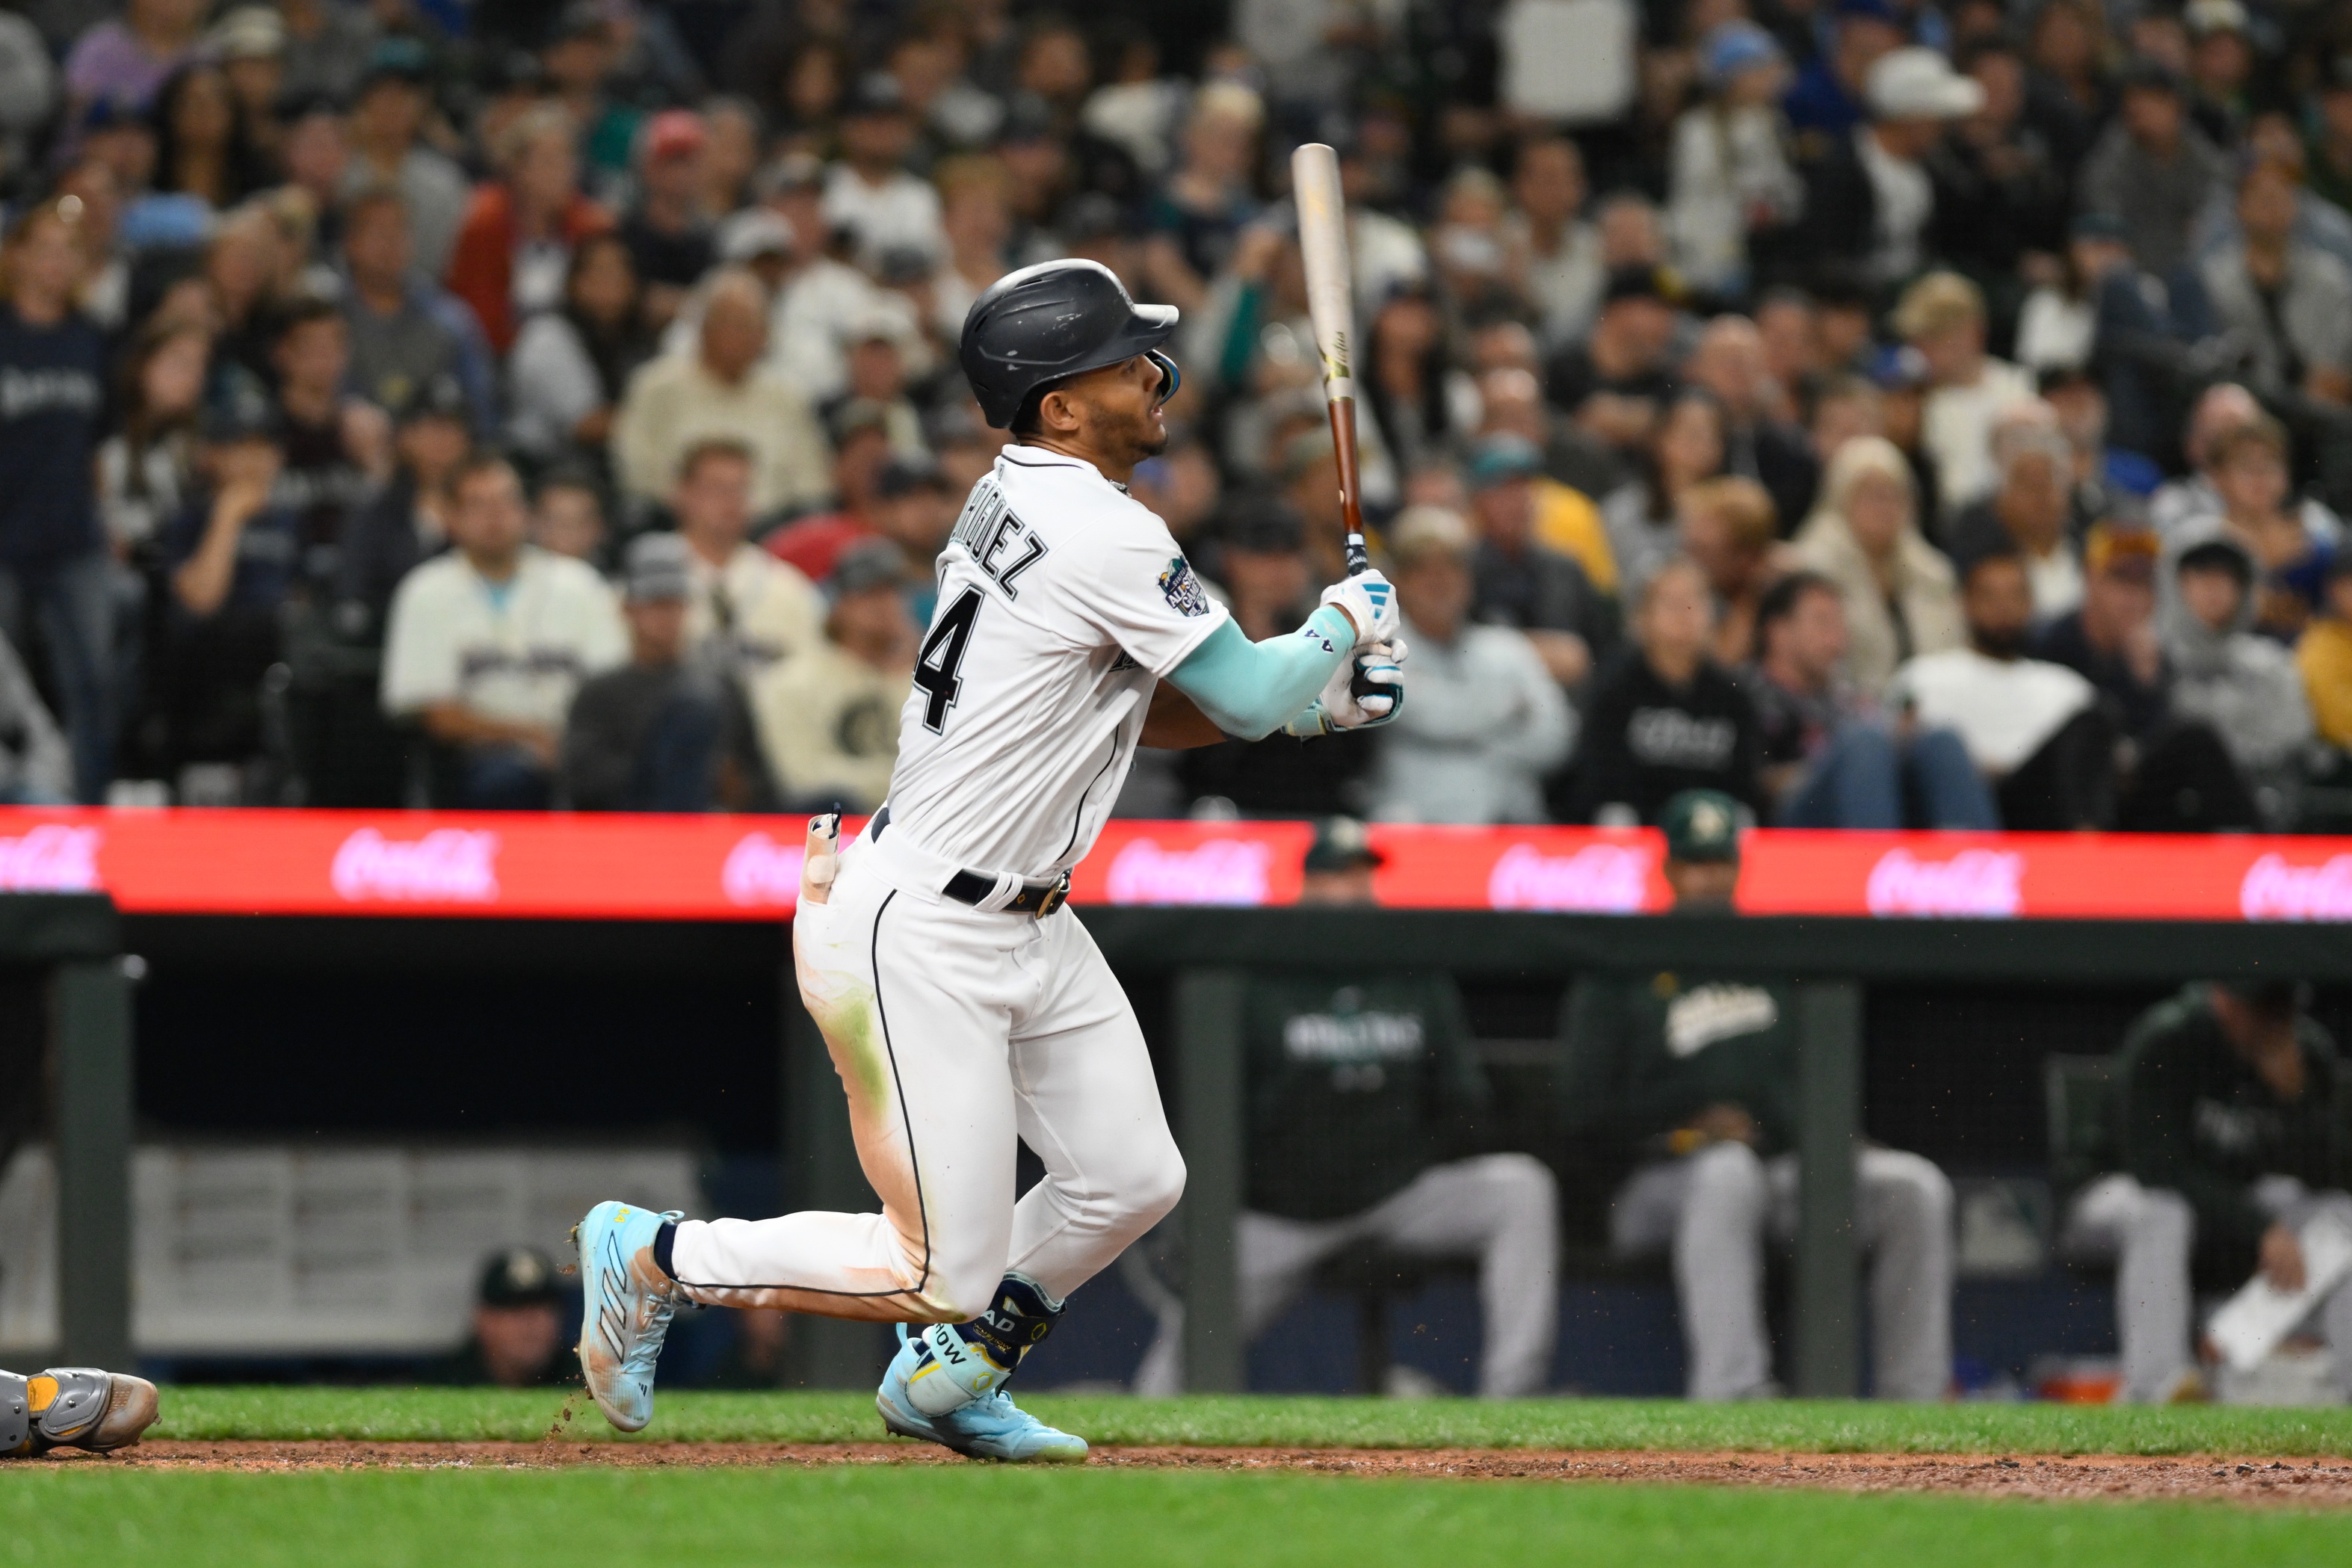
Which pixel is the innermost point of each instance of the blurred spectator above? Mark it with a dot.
(387, 126)
(1664, 717)
(914, 510)
(234, 554)
(1728, 174)
(871, 194)
(2033, 728)
(571, 367)
(1759, 441)
(490, 643)
(567, 515)
(1869, 200)
(1644, 515)
(2181, 778)
(721, 390)
(517, 1335)
(53, 560)
(827, 717)
(1614, 383)
(666, 232)
(1365, 1104)
(123, 62)
(1511, 402)
(2324, 656)
(514, 249)
(147, 465)
(1522, 583)
(1943, 316)
(746, 610)
(2230, 1144)
(1556, 251)
(976, 222)
(649, 736)
(2290, 546)
(2028, 514)
(2180, 505)
(1728, 531)
(2153, 170)
(337, 449)
(1420, 405)
(404, 332)
(1488, 721)
(1198, 213)
(2288, 302)
(327, 47)
(1898, 591)
(1827, 759)
(2001, 176)
(2245, 686)
(1687, 1082)
(408, 519)
(202, 148)
(1829, 94)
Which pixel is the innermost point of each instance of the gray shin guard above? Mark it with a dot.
(15, 1416)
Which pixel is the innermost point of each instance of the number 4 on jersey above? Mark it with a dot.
(943, 655)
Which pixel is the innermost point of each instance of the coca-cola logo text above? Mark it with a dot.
(1979, 882)
(51, 858)
(448, 865)
(1605, 878)
(760, 873)
(2275, 890)
(1221, 871)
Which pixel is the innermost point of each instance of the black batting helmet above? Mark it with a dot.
(1057, 318)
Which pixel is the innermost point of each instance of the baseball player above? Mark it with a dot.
(72, 1407)
(964, 1011)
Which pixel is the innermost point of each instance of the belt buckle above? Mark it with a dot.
(1056, 896)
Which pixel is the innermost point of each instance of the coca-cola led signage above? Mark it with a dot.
(556, 866)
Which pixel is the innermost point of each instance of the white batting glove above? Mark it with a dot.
(1367, 690)
(1371, 600)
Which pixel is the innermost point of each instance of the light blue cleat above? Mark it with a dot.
(988, 1425)
(628, 1305)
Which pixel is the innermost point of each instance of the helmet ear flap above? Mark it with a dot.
(1172, 377)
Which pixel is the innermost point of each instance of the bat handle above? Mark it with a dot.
(1360, 560)
(1352, 504)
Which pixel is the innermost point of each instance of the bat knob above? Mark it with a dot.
(1360, 560)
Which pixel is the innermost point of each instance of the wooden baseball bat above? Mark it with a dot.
(1330, 301)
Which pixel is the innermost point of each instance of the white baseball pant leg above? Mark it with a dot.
(1710, 1210)
(2149, 1233)
(957, 1034)
(2291, 1203)
(1502, 1209)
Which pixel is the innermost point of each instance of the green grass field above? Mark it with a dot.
(720, 1518)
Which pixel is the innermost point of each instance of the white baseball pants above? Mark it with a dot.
(1711, 1210)
(1501, 1209)
(958, 1034)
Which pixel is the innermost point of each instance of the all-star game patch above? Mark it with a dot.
(1183, 590)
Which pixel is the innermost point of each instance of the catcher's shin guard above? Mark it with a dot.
(73, 1407)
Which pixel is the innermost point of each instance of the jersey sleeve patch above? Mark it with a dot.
(1183, 590)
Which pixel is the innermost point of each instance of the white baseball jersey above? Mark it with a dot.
(1063, 602)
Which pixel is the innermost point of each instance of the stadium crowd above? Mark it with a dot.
(1884, 412)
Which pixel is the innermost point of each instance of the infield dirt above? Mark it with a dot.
(2326, 1482)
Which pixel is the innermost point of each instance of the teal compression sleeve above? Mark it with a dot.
(1252, 689)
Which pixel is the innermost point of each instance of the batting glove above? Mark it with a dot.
(1367, 690)
(1371, 600)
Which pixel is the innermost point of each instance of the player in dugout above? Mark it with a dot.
(1681, 1085)
(1364, 1112)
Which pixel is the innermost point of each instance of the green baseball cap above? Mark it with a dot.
(1701, 825)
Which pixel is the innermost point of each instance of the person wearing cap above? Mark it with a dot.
(487, 644)
(828, 718)
(1520, 581)
(518, 1327)
(1942, 315)
(649, 736)
(405, 331)
(2152, 170)
(870, 193)
(2287, 301)
(667, 233)
(1616, 381)
(407, 521)
(387, 126)
(2221, 63)
(1729, 172)
(249, 43)
(1497, 722)
(1870, 199)
(723, 388)
(882, 345)
(2324, 655)
(1368, 1127)
(2228, 1142)
(1680, 1090)
(1830, 96)
(746, 610)
(2244, 684)
(577, 56)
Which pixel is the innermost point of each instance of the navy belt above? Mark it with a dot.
(976, 887)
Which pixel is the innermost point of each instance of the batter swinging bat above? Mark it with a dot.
(1323, 246)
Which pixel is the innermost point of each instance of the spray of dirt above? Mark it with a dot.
(555, 1430)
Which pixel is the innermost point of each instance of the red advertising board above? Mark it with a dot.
(737, 868)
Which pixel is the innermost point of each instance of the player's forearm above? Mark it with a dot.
(1251, 688)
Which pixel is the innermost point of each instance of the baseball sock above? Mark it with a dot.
(664, 1241)
(1019, 1318)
